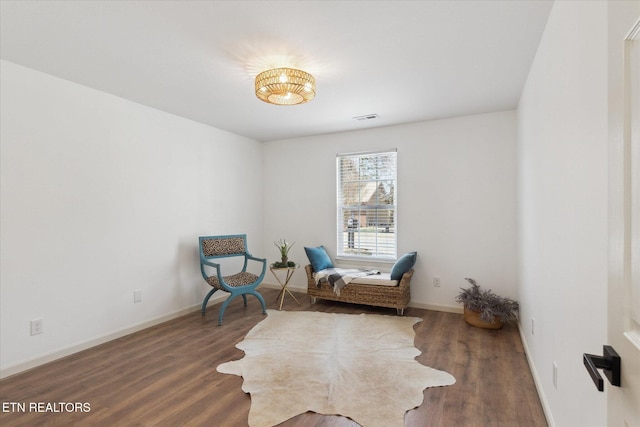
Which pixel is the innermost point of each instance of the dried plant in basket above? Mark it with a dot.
(493, 309)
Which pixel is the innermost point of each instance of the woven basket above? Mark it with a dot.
(473, 318)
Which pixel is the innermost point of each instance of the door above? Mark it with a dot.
(623, 403)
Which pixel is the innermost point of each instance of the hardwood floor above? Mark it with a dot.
(166, 375)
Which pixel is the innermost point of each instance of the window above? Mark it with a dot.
(366, 223)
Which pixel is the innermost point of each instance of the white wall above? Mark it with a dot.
(456, 198)
(102, 196)
(562, 166)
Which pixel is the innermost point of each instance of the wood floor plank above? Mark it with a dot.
(166, 375)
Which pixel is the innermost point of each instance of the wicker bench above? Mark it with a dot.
(357, 293)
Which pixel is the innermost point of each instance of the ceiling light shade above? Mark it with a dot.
(285, 86)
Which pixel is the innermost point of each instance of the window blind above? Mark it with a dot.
(366, 205)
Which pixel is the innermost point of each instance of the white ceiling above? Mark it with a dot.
(406, 61)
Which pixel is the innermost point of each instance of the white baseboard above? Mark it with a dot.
(536, 380)
(433, 307)
(58, 354)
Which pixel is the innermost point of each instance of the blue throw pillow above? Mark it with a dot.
(318, 258)
(403, 264)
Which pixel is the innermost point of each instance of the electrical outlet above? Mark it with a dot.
(533, 326)
(36, 327)
(436, 281)
(555, 375)
(137, 296)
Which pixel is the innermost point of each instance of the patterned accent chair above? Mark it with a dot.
(242, 283)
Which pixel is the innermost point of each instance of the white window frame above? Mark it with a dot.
(368, 196)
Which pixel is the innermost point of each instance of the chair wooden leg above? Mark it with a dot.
(244, 299)
(206, 300)
(264, 306)
(224, 307)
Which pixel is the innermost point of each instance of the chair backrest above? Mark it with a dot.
(223, 246)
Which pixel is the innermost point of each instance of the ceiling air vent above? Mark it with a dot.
(367, 117)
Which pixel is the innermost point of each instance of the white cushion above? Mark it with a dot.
(382, 279)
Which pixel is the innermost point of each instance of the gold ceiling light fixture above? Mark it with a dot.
(285, 86)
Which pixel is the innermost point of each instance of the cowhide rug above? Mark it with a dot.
(359, 366)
